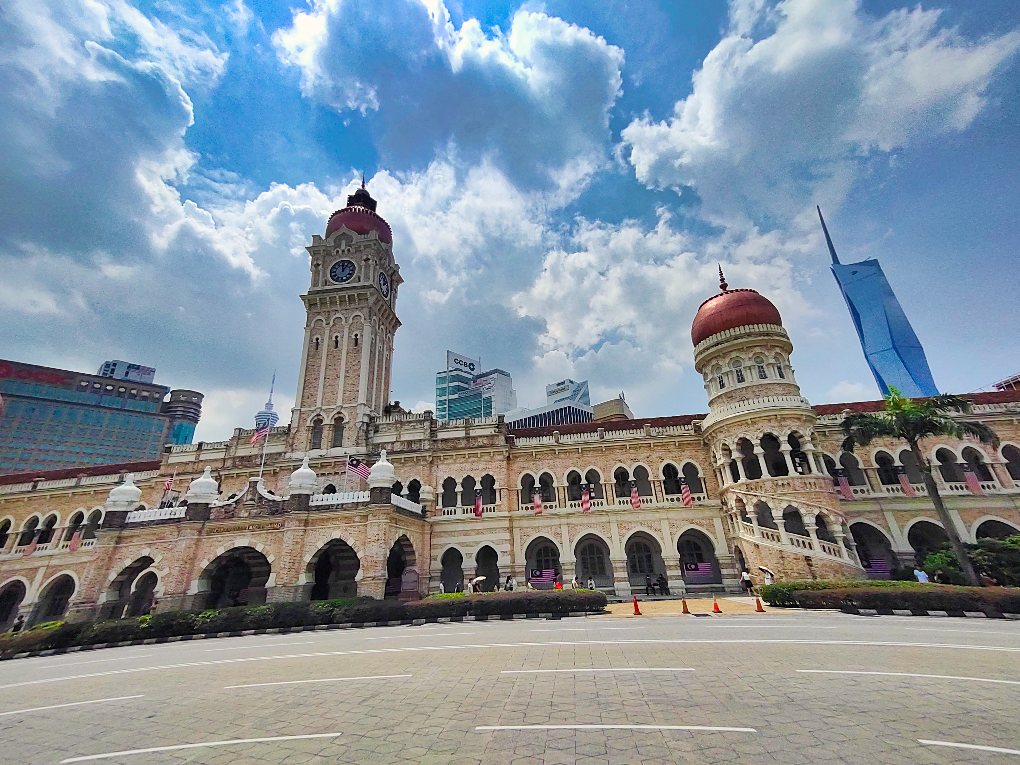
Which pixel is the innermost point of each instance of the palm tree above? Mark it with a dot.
(912, 420)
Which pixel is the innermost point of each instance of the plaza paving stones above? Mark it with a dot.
(734, 692)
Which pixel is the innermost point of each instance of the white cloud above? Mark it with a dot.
(788, 116)
(534, 100)
(849, 390)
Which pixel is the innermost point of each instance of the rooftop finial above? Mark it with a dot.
(362, 179)
(722, 281)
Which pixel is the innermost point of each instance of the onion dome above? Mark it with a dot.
(383, 474)
(126, 495)
(303, 480)
(204, 489)
(360, 217)
(731, 309)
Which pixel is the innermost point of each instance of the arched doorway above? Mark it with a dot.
(697, 558)
(644, 559)
(119, 593)
(452, 574)
(11, 597)
(55, 598)
(487, 565)
(236, 578)
(874, 550)
(926, 537)
(143, 596)
(333, 571)
(992, 529)
(543, 560)
(400, 561)
(592, 554)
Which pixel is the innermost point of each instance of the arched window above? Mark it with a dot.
(92, 525)
(643, 480)
(737, 365)
(414, 490)
(639, 557)
(799, 458)
(886, 469)
(546, 484)
(694, 482)
(547, 558)
(621, 482)
(670, 479)
(336, 341)
(338, 431)
(329, 488)
(774, 459)
(355, 339)
(594, 478)
(397, 488)
(759, 365)
(830, 465)
(909, 463)
(593, 559)
(46, 533)
(488, 486)
(780, 372)
(748, 459)
(977, 463)
(573, 486)
(28, 531)
(720, 378)
(467, 491)
(1012, 457)
(5, 533)
(948, 466)
(315, 438)
(854, 474)
(449, 498)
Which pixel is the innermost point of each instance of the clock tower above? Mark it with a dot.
(351, 319)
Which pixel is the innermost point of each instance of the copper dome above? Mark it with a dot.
(360, 217)
(730, 309)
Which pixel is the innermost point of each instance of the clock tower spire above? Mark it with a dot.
(351, 319)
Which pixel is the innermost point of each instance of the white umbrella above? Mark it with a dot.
(768, 571)
(478, 579)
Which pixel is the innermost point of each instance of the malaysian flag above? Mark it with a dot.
(478, 503)
(260, 432)
(536, 502)
(685, 493)
(30, 548)
(358, 467)
(905, 484)
(844, 484)
(586, 498)
(635, 498)
(971, 479)
(542, 575)
(696, 572)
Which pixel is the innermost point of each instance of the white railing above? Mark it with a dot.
(84, 545)
(467, 510)
(678, 498)
(796, 540)
(14, 488)
(404, 503)
(57, 483)
(770, 535)
(830, 548)
(575, 504)
(156, 514)
(340, 498)
(49, 548)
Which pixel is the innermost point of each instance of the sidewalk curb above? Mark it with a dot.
(305, 628)
(990, 614)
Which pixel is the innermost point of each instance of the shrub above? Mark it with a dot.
(916, 597)
(170, 624)
(994, 558)
(782, 593)
(112, 631)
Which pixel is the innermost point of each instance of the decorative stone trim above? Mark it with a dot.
(990, 614)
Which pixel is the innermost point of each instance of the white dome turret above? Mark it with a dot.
(204, 489)
(124, 496)
(383, 476)
(303, 480)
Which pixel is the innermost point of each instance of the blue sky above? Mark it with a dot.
(561, 178)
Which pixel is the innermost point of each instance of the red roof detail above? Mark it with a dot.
(996, 397)
(591, 427)
(83, 470)
(730, 309)
(360, 220)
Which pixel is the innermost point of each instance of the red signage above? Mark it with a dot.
(11, 370)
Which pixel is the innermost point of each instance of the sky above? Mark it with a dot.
(561, 178)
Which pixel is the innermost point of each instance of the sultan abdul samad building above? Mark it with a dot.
(759, 465)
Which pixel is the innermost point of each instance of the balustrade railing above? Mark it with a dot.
(339, 498)
(156, 514)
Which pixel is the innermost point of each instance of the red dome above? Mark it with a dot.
(730, 309)
(360, 220)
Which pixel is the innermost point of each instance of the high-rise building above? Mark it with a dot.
(568, 390)
(567, 402)
(123, 370)
(463, 391)
(890, 345)
(55, 419)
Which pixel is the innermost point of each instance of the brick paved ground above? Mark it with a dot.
(479, 674)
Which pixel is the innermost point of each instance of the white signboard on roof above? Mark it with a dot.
(463, 363)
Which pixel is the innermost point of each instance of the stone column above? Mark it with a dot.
(621, 581)
(871, 475)
(740, 470)
(760, 454)
(674, 576)
(777, 516)
(786, 449)
(1001, 474)
(812, 531)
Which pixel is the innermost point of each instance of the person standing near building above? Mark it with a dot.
(591, 583)
(769, 578)
(574, 584)
(745, 581)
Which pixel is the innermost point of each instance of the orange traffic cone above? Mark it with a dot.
(637, 611)
(757, 606)
(683, 603)
(715, 606)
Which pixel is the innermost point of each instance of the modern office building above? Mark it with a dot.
(567, 402)
(55, 419)
(613, 409)
(890, 345)
(463, 390)
(568, 390)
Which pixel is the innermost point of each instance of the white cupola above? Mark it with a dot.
(383, 476)
(204, 489)
(303, 480)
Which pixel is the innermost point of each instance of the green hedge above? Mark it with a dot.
(925, 597)
(288, 615)
(782, 594)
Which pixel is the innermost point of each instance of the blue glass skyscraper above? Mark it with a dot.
(890, 345)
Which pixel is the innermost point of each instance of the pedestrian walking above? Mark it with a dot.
(574, 584)
(921, 576)
(769, 579)
(746, 582)
(649, 587)
(19, 623)
(591, 583)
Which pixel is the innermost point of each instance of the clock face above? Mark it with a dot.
(342, 271)
(384, 285)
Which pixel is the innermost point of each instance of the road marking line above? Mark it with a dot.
(565, 629)
(90, 661)
(71, 704)
(260, 645)
(521, 644)
(908, 674)
(592, 669)
(413, 635)
(175, 747)
(954, 745)
(318, 680)
(716, 728)
(1015, 633)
